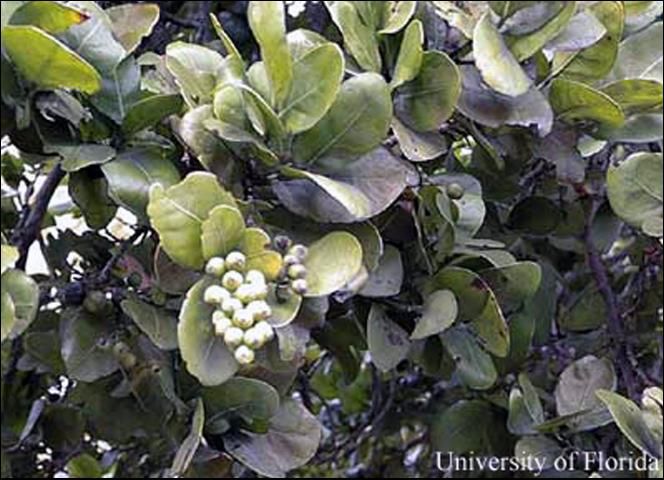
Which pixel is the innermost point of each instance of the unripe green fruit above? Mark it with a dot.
(253, 338)
(299, 251)
(127, 360)
(455, 191)
(260, 309)
(299, 286)
(233, 336)
(243, 318)
(244, 355)
(221, 322)
(266, 330)
(232, 279)
(216, 266)
(95, 302)
(290, 260)
(214, 294)
(230, 305)
(297, 271)
(236, 261)
(255, 277)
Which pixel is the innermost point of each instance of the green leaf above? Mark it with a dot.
(418, 146)
(9, 257)
(262, 116)
(631, 422)
(359, 39)
(531, 399)
(540, 447)
(440, 312)
(24, 294)
(474, 366)
(196, 70)
(387, 278)
(231, 133)
(132, 22)
(409, 59)
(525, 46)
(477, 305)
(379, 176)
(634, 188)
(206, 356)
(231, 49)
(574, 101)
(83, 465)
(119, 89)
(397, 15)
(222, 231)
(52, 17)
(427, 101)
(636, 95)
(256, 246)
(582, 31)
(355, 124)
(317, 76)
(291, 442)
(47, 62)
(8, 315)
(207, 146)
(576, 389)
(254, 401)
(494, 110)
(325, 277)
(131, 174)
(268, 24)
(535, 215)
(77, 157)
(156, 323)
(596, 61)
(498, 67)
(465, 427)
(349, 197)
(150, 110)
(640, 56)
(513, 284)
(88, 189)
(388, 343)
(187, 450)
(283, 312)
(178, 212)
(81, 339)
(302, 41)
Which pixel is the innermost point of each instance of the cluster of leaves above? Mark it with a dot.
(479, 185)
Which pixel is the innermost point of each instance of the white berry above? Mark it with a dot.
(266, 330)
(297, 271)
(260, 309)
(215, 266)
(255, 277)
(232, 279)
(299, 286)
(221, 322)
(299, 251)
(244, 293)
(253, 338)
(236, 260)
(230, 305)
(291, 260)
(243, 318)
(244, 355)
(215, 294)
(233, 336)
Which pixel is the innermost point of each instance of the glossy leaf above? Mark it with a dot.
(440, 312)
(52, 17)
(359, 38)
(636, 95)
(409, 59)
(387, 278)
(574, 102)
(387, 341)
(498, 67)
(427, 101)
(150, 110)
(418, 146)
(640, 56)
(196, 70)
(48, 62)
(256, 246)
(397, 15)
(9, 257)
(187, 450)
(317, 76)
(77, 157)
(24, 295)
(222, 231)
(356, 123)
(206, 356)
(178, 212)
(473, 365)
(268, 24)
(323, 277)
(132, 22)
(156, 323)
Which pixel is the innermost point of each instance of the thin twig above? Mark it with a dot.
(24, 237)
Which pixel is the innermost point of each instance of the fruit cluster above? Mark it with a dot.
(241, 312)
(294, 274)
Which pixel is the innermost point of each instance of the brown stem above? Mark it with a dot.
(614, 316)
(28, 232)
